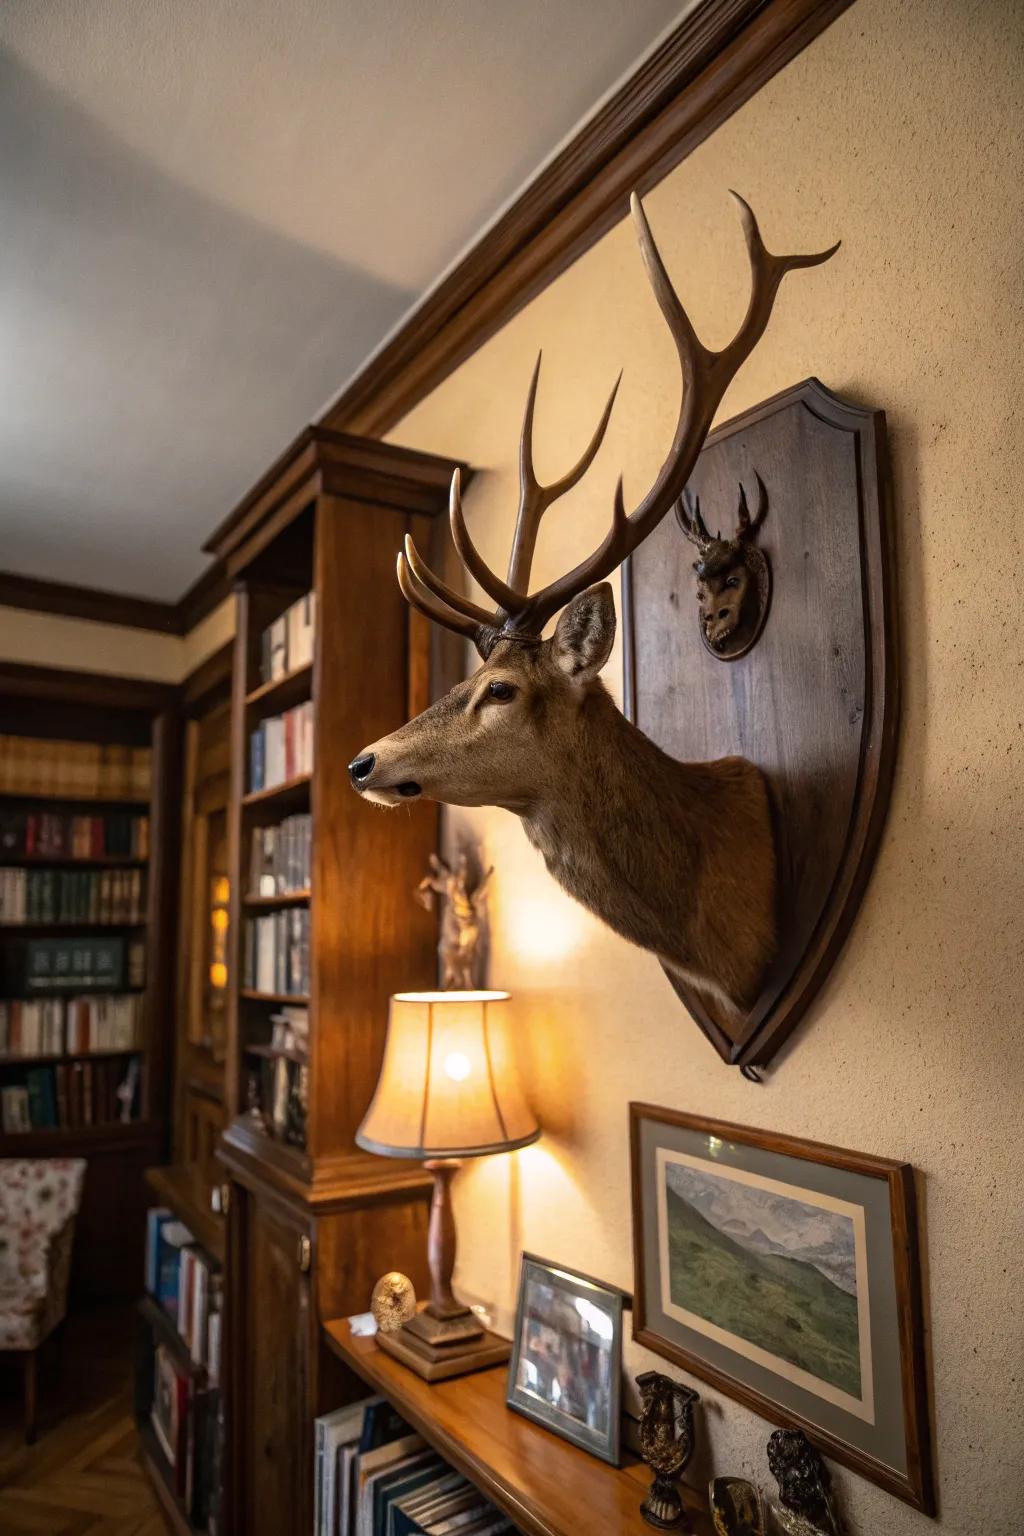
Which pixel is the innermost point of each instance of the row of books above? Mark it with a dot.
(374, 1477)
(187, 1284)
(281, 748)
(188, 1426)
(281, 857)
(54, 835)
(54, 1026)
(72, 896)
(70, 1095)
(277, 952)
(74, 770)
(78, 963)
(287, 644)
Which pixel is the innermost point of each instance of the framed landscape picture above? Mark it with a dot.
(786, 1273)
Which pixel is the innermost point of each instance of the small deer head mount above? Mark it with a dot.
(677, 857)
(734, 579)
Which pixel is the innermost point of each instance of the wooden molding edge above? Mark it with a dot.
(64, 600)
(715, 60)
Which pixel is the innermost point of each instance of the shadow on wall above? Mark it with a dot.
(179, 345)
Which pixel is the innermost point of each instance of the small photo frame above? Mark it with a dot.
(566, 1366)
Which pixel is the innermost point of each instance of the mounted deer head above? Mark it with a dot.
(677, 857)
(734, 582)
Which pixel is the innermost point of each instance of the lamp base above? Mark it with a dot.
(440, 1362)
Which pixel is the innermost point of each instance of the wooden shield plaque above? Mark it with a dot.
(814, 702)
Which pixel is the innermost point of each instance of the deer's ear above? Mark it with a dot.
(584, 634)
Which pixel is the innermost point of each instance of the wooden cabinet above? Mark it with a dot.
(312, 1220)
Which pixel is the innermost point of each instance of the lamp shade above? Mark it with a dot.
(448, 1086)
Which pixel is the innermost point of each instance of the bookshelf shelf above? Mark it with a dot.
(163, 1324)
(67, 861)
(183, 1187)
(273, 903)
(51, 1058)
(275, 1053)
(282, 692)
(544, 1484)
(56, 798)
(293, 792)
(54, 1142)
(28, 929)
(252, 996)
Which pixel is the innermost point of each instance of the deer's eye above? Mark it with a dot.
(503, 692)
(733, 581)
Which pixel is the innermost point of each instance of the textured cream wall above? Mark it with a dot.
(899, 130)
(81, 645)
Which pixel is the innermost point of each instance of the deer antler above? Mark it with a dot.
(690, 521)
(705, 377)
(745, 528)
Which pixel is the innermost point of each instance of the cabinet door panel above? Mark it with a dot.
(277, 1375)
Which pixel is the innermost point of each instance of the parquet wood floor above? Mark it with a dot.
(83, 1476)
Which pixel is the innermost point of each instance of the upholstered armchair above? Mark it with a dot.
(39, 1199)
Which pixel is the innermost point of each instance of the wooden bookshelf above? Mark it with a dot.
(545, 1485)
(50, 706)
(160, 1475)
(310, 1228)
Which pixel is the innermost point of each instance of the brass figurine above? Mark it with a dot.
(463, 920)
(666, 1442)
(734, 579)
(806, 1504)
(393, 1301)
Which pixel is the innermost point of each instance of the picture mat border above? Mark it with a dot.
(607, 1448)
(860, 1408)
(916, 1486)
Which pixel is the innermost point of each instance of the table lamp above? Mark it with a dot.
(448, 1089)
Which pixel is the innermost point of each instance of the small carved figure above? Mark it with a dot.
(393, 1301)
(735, 1507)
(666, 1442)
(463, 920)
(734, 582)
(806, 1504)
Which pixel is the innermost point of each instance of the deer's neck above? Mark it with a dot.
(594, 825)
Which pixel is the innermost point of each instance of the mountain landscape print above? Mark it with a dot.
(768, 1268)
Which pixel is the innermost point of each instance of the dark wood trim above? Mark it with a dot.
(25, 680)
(916, 1487)
(205, 594)
(62, 599)
(71, 602)
(714, 61)
(199, 691)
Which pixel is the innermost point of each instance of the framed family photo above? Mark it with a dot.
(566, 1366)
(785, 1273)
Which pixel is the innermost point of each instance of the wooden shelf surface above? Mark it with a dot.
(54, 1058)
(271, 903)
(301, 999)
(71, 926)
(291, 792)
(545, 1485)
(68, 861)
(182, 1187)
(163, 1325)
(72, 1141)
(282, 692)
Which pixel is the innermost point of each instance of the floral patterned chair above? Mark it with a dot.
(39, 1199)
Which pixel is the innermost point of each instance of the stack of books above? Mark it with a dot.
(376, 1478)
(72, 896)
(287, 644)
(53, 1026)
(74, 770)
(72, 965)
(276, 956)
(281, 748)
(70, 1095)
(185, 1411)
(281, 856)
(53, 835)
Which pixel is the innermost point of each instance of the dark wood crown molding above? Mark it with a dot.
(36, 595)
(715, 60)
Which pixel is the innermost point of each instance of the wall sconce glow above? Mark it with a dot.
(545, 927)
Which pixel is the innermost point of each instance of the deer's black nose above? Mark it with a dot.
(360, 768)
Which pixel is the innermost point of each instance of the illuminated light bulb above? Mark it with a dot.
(218, 974)
(457, 1065)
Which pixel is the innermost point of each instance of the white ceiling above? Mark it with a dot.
(211, 211)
